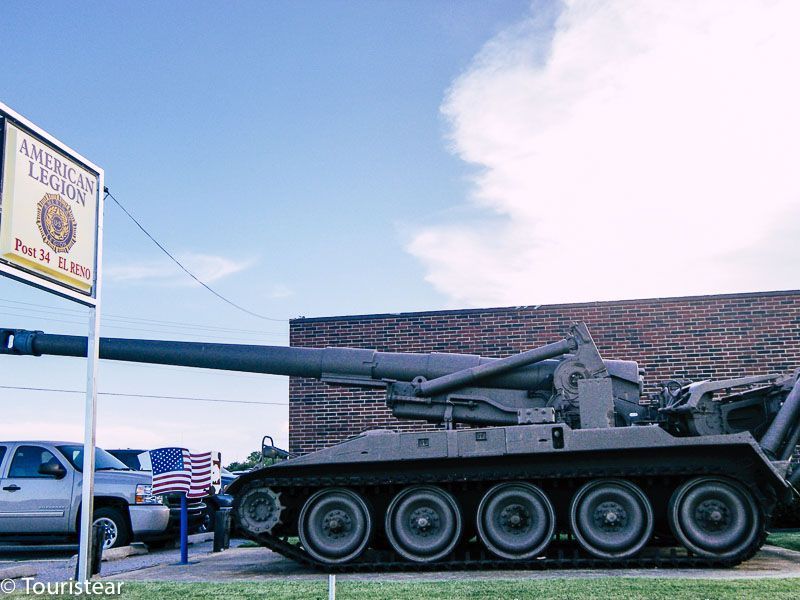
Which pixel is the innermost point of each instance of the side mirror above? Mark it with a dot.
(52, 469)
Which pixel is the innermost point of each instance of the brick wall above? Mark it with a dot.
(694, 338)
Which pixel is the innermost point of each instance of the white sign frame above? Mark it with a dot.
(34, 278)
(92, 300)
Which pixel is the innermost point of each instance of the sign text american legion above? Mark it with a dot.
(48, 211)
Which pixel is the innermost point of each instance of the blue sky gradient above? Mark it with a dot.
(300, 142)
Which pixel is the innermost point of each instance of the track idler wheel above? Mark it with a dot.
(715, 517)
(423, 523)
(516, 520)
(335, 525)
(611, 518)
(258, 509)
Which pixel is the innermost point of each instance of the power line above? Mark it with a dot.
(184, 269)
(117, 317)
(120, 394)
(202, 336)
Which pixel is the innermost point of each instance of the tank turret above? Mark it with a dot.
(531, 387)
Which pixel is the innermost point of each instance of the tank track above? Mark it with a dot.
(472, 556)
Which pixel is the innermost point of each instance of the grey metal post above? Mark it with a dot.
(331, 587)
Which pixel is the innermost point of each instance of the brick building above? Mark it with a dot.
(693, 337)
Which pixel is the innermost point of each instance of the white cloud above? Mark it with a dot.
(208, 268)
(648, 148)
(280, 290)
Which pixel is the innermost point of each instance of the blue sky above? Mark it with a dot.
(283, 150)
(326, 158)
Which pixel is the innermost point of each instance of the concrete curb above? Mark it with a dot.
(784, 552)
(199, 538)
(17, 572)
(135, 549)
(196, 538)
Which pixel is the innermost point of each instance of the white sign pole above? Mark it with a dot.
(90, 410)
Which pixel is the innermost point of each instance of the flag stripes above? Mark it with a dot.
(178, 470)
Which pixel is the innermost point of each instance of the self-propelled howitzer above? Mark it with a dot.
(550, 457)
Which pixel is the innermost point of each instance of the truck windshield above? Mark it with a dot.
(103, 461)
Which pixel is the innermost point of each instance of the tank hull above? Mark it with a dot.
(466, 464)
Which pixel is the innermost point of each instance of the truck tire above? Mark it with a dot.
(115, 526)
(207, 523)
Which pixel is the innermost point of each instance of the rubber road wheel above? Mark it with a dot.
(115, 528)
(611, 518)
(423, 523)
(335, 525)
(516, 520)
(715, 517)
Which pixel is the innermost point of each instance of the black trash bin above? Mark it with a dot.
(222, 529)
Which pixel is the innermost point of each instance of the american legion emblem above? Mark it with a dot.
(56, 223)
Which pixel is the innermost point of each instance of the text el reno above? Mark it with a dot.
(43, 256)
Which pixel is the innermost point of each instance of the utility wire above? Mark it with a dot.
(116, 317)
(120, 394)
(184, 330)
(202, 336)
(185, 270)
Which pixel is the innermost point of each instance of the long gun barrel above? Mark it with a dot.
(438, 387)
(346, 365)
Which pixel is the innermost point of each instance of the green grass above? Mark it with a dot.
(611, 588)
(251, 544)
(785, 539)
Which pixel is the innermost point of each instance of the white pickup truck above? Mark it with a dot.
(40, 495)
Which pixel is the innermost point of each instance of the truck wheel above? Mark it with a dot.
(115, 528)
(207, 522)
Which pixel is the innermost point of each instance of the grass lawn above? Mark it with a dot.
(785, 539)
(541, 589)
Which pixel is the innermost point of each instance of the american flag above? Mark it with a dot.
(178, 470)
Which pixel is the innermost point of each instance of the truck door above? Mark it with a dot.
(35, 493)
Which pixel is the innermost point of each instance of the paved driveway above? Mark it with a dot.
(260, 564)
(59, 565)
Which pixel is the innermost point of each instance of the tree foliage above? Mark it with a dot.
(251, 461)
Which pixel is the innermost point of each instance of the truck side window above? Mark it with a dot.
(2, 454)
(27, 460)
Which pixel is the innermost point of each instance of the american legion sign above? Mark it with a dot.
(49, 207)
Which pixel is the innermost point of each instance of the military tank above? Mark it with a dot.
(548, 458)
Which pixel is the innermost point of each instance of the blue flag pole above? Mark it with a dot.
(184, 530)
